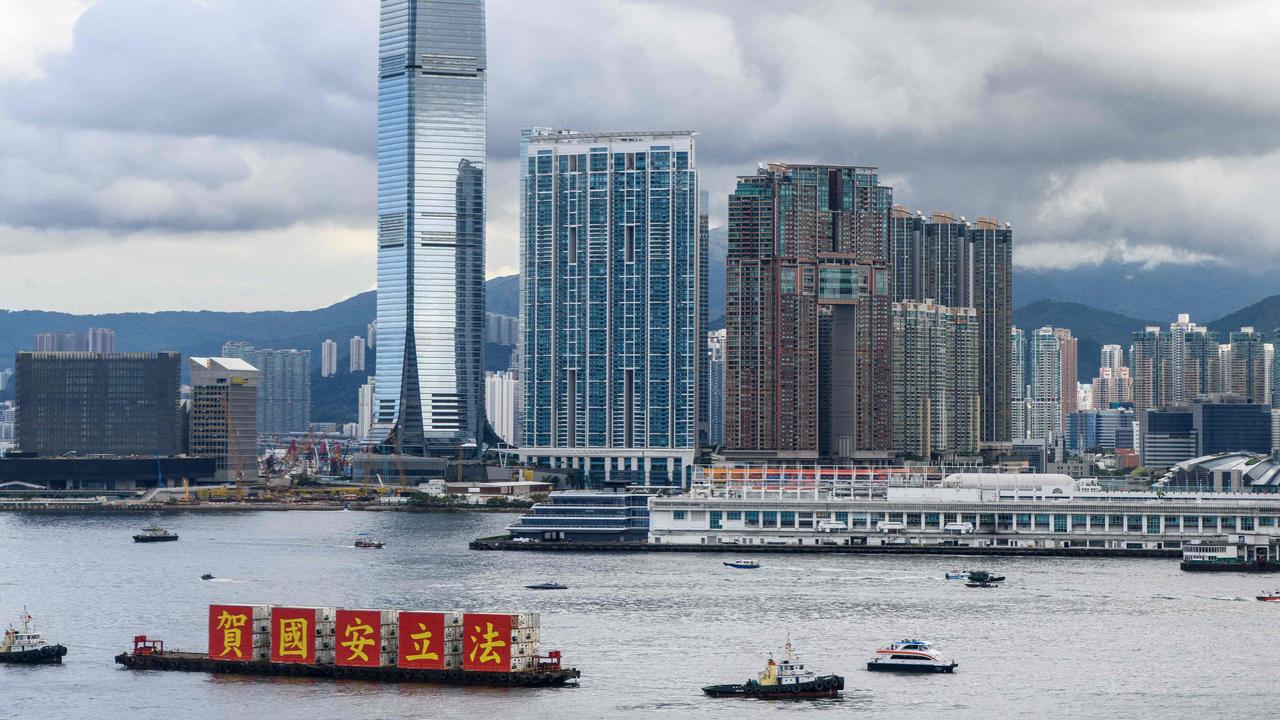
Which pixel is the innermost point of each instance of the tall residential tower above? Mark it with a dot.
(431, 153)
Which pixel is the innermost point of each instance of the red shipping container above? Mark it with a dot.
(486, 642)
(231, 632)
(358, 637)
(421, 640)
(293, 635)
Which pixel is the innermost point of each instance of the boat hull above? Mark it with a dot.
(910, 667)
(47, 655)
(196, 662)
(742, 567)
(154, 538)
(826, 686)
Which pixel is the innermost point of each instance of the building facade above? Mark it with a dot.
(1166, 436)
(1018, 383)
(1045, 416)
(715, 387)
(364, 408)
(935, 379)
(98, 403)
(328, 358)
(1246, 370)
(1231, 423)
(284, 386)
(356, 349)
(808, 361)
(223, 419)
(610, 305)
(1068, 355)
(431, 211)
(500, 393)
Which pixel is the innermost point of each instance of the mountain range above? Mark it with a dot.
(1053, 301)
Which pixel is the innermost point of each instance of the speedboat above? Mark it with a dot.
(548, 585)
(910, 656)
(25, 646)
(785, 680)
(365, 540)
(743, 564)
(155, 533)
(1273, 596)
(957, 576)
(206, 576)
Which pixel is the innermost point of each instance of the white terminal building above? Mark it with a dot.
(842, 506)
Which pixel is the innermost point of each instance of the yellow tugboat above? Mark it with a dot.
(784, 680)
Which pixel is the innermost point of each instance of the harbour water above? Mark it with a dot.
(1063, 637)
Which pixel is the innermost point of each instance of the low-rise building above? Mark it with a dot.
(584, 516)
(106, 472)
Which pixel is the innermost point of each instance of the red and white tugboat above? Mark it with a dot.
(1273, 596)
(25, 646)
(785, 680)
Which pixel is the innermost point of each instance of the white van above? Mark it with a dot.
(886, 526)
(958, 528)
(832, 526)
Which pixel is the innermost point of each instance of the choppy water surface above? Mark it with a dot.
(1063, 638)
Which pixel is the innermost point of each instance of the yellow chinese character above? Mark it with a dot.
(358, 640)
(486, 648)
(421, 641)
(230, 626)
(293, 637)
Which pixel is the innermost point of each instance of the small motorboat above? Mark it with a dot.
(25, 646)
(785, 680)
(549, 585)
(365, 540)
(206, 576)
(981, 585)
(1273, 596)
(743, 564)
(155, 533)
(957, 576)
(982, 576)
(910, 656)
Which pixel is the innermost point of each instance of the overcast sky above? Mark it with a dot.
(219, 154)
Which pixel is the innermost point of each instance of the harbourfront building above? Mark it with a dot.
(223, 418)
(98, 403)
(579, 516)
(284, 386)
(808, 351)
(935, 379)
(611, 305)
(430, 229)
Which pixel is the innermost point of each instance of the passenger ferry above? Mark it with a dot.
(785, 680)
(910, 656)
(26, 647)
(155, 533)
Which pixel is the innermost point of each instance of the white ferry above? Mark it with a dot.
(910, 656)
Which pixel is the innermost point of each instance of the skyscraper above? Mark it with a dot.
(610, 316)
(356, 351)
(431, 159)
(1018, 383)
(102, 340)
(808, 360)
(1068, 357)
(284, 386)
(1046, 384)
(1247, 358)
(224, 409)
(935, 378)
(1174, 368)
(500, 403)
(992, 247)
(328, 358)
(715, 390)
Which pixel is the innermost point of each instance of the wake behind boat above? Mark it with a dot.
(786, 680)
(25, 646)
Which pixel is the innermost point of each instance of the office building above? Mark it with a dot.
(284, 386)
(500, 403)
(715, 387)
(1167, 437)
(704, 280)
(96, 403)
(1099, 430)
(935, 379)
(1068, 355)
(610, 305)
(328, 358)
(1246, 366)
(1230, 423)
(356, 349)
(1018, 383)
(224, 415)
(1045, 418)
(808, 361)
(431, 210)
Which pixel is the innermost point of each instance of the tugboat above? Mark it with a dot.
(155, 533)
(548, 585)
(1273, 596)
(910, 656)
(743, 564)
(365, 540)
(784, 680)
(26, 647)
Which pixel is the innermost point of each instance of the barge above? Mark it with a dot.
(150, 655)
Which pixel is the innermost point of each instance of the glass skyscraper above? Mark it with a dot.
(431, 152)
(611, 305)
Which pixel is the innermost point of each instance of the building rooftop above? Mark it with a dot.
(223, 363)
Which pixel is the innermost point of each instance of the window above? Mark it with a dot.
(1228, 523)
(734, 515)
(913, 520)
(770, 519)
(1133, 524)
(1042, 522)
(715, 519)
(630, 232)
(1059, 523)
(788, 519)
(1266, 521)
(1153, 524)
(677, 514)
(753, 518)
(1246, 524)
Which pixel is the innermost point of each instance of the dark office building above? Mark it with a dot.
(1167, 436)
(98, 403)
(1231, 424)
